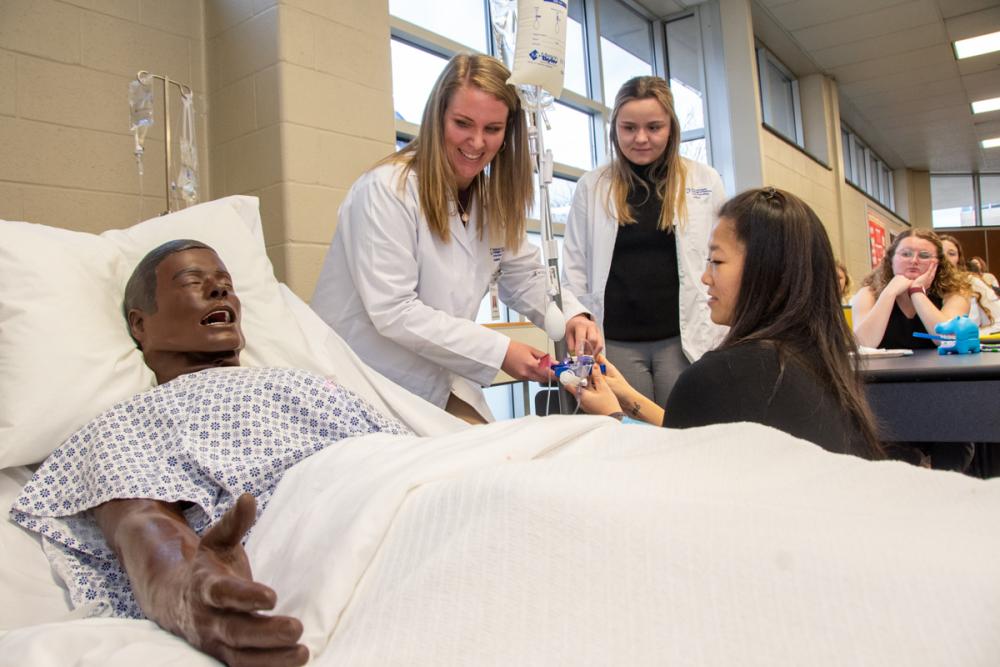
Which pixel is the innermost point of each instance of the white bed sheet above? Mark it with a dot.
(576, 540)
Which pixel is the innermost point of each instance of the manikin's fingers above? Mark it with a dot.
(232, 592)
(292, 656)
(233, 525)
(237, 630)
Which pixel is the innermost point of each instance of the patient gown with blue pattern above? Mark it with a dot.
(203, 438)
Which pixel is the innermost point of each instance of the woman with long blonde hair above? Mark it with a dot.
(912, 290)
(635, 242)
(428, 231)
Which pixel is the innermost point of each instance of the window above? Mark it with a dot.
(462, 22)
(779, 97)
(865, 169)
(414, 72)
(626, 46)
(952, 201)
(965, 200)
(687, 82)
(989, 199)
(845, 146)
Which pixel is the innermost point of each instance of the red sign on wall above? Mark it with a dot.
(876, 240)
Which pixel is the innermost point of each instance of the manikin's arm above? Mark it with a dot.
(201, 588)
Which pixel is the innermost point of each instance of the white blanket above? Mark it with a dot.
(575, 540)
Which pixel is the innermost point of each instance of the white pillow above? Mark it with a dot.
(65, 351)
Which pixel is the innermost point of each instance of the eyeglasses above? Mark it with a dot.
(922, 255)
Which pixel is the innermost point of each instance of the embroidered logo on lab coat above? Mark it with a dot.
(699, 193)
(496, 253)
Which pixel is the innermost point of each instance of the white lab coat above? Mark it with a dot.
(406, 301)
(591, 231)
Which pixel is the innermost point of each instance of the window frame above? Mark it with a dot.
(767, 59)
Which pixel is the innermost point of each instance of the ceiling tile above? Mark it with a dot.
(950, 8)
(902, 41)
(947, 86)
(982, 85)
(913, 62)
(893, 108)
(805, 13)
(984, 63)
(868, 24)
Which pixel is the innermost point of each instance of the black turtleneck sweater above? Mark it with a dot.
(641, 296)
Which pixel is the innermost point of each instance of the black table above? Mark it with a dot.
(929, 397)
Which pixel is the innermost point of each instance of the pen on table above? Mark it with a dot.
(919, 334)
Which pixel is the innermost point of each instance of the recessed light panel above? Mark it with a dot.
(982, 106)
(975, 46)
(991, 143)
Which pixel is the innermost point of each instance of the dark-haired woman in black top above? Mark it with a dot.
(785, 363)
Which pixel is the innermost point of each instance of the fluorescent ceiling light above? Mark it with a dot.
(975, 46)
(982, 106)
(991, 143)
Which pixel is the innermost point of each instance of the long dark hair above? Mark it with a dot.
(789, 297)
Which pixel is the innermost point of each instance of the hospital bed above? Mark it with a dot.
(538, 541)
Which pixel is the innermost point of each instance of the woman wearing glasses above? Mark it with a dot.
(912, 290)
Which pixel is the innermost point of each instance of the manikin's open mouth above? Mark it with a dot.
(220, 316)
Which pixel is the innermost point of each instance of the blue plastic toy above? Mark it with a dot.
(966, 334)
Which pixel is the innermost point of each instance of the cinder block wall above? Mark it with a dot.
(301, 104)
(65, 149)
(294, 102)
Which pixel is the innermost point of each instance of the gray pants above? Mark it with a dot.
(652, 367)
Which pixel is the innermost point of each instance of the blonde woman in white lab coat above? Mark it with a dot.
(637, 242)
(424, 235)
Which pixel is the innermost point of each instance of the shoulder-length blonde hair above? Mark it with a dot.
(503, 191)
(947, 279)
(667, 171)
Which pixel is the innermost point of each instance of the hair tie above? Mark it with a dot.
(769, 192)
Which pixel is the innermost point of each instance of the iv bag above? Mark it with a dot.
(540, 54)
(503, 16)
(187, 176)
(140, 104)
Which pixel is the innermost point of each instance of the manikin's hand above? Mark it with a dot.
(597, 398)
(215, 604)
(926, 278)
(582, 336)
(523, 362)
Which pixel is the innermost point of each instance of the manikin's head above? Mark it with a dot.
(182, 310)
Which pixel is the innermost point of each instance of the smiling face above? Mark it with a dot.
(643, 130)
(196, 324)
(475, 124)
(913, 257)
(724, 272)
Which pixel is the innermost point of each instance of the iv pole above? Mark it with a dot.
(185, 91)
(550, 249)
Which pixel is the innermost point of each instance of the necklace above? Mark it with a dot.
(463, 207)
